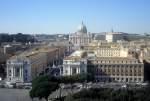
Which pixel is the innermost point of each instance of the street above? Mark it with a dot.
(15, 95)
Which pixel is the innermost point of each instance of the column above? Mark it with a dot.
(70, 71)
(20, 72)
(12, 71)
(79, 70)
(115, 72)
(7, 71)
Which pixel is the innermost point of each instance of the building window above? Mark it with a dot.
(74, 71)
(113, 79)
(26, 71)
(139, 79)
(17, 72)
(135, 79)
(26, 79)
(126, 79)
(66, 71)
(130, 79)
(9, 72)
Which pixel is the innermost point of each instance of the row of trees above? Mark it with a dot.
(43, 86)
(18, 38)
(108, 94)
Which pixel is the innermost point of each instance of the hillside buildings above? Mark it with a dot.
(110, 62)
(107, 57)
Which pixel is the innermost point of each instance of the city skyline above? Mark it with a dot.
(36, 16)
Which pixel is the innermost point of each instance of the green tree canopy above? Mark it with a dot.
(43, 86)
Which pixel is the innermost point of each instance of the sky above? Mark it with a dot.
(64, 16)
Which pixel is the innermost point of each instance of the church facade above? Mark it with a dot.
(80, 37)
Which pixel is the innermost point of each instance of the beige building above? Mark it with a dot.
(30, 64)
(118, 69)
(111, 51)
(114, 62)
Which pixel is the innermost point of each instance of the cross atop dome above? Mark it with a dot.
(112, 30)
(82, 22)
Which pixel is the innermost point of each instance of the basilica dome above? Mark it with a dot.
(82, 28)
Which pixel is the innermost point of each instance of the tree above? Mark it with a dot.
(18, 38)
(43, 86)
(80, 78)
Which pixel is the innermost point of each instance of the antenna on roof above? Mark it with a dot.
(82, 22)
(112, 30)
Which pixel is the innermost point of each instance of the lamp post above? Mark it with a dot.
(60, 92)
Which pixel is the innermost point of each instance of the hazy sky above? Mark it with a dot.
(63, 16)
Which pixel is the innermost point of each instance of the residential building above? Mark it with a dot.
(113, 36)
(111, 51)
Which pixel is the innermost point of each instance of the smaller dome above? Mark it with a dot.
(82, 28)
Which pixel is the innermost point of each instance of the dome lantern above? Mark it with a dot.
(82, 28)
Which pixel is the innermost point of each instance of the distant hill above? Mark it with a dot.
(19, 37)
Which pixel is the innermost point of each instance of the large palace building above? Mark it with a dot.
(109, 62)
(117, 69)
(115, 63)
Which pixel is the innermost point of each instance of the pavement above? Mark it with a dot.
(15, 95)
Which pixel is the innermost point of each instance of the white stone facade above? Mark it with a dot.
(75, 64)
(18, 70)
(74, 67)
(113, 36)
